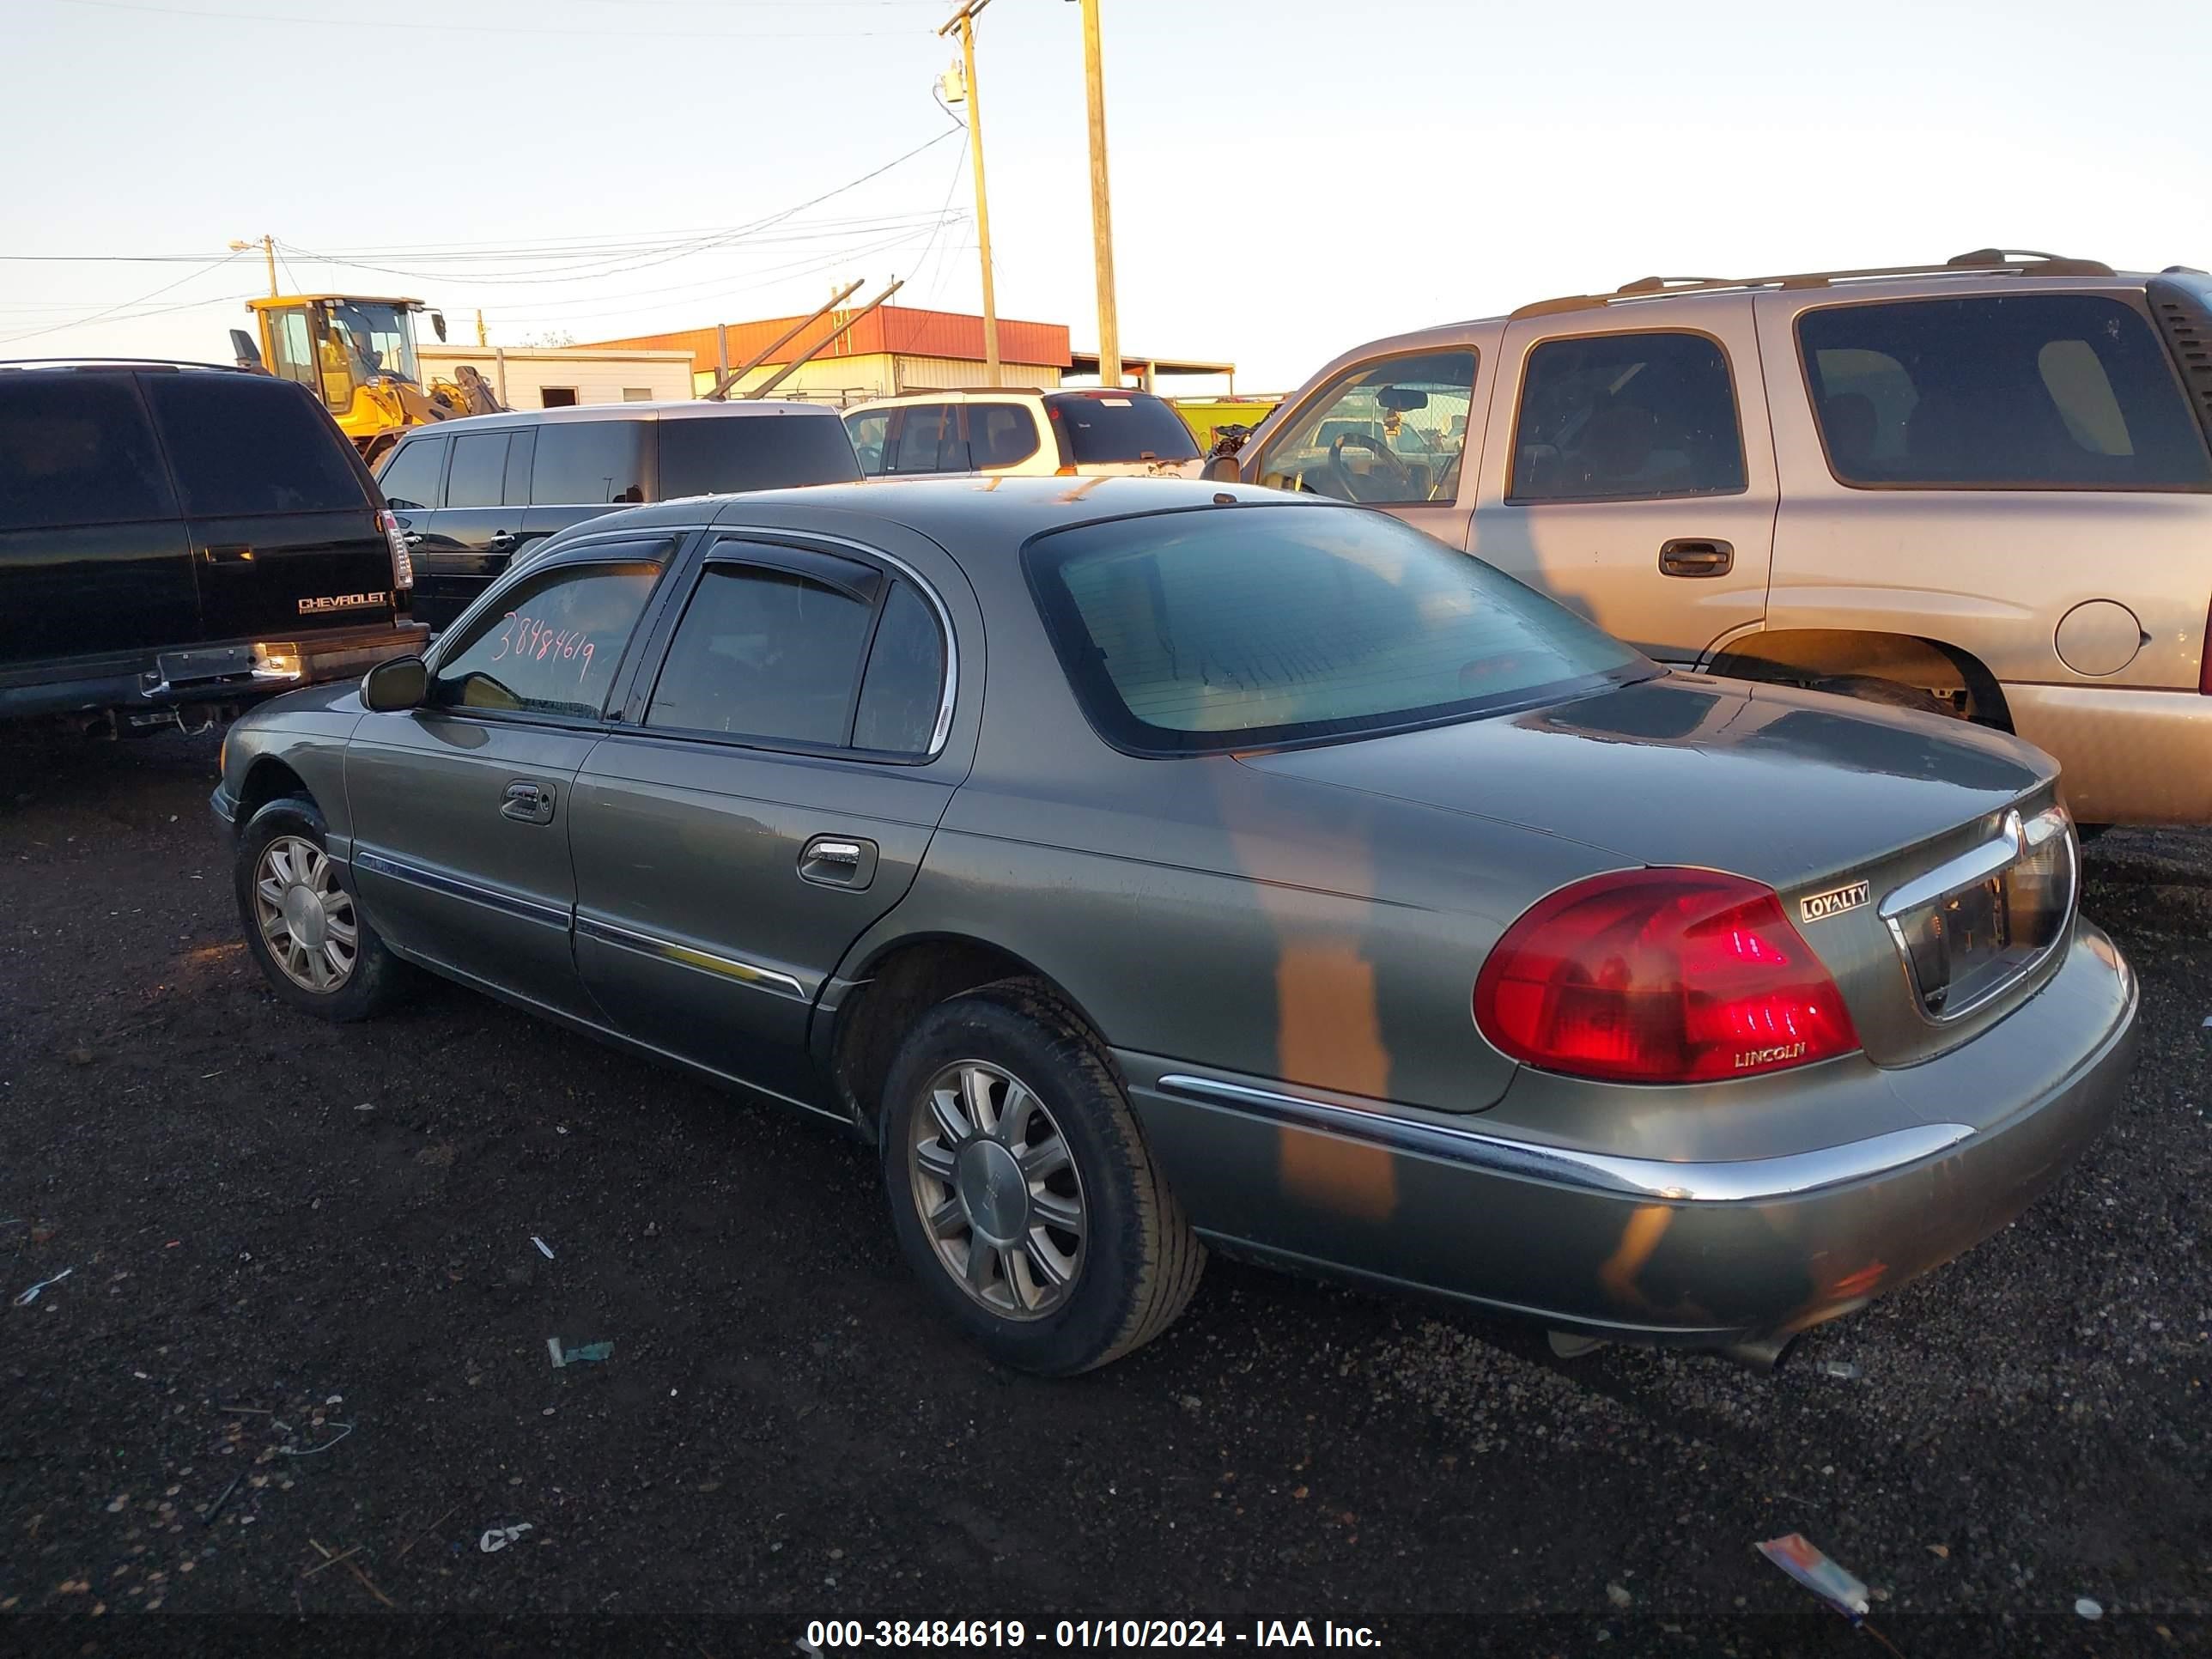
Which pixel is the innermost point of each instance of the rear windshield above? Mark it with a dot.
(247, 444)
(76, 449)
(714, 456)
(1109, 427)
(1236, 627)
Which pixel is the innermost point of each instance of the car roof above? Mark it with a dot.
(969, 516)
(970, 394)
(695, 408)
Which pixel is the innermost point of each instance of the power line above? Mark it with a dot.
(125, 305)
(661, 257)
(938, 283)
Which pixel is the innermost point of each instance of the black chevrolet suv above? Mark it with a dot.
(178, 540)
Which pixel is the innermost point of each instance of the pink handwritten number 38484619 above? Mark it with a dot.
(528, 636)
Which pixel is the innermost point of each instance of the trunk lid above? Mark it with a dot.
(1840, 807)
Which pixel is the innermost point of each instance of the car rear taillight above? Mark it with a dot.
(1663, 975)
(2204, 663)
(402, 567)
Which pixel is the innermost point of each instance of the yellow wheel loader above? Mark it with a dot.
(357, 354)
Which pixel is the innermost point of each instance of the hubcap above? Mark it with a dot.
(306, 919)
(997, 1190)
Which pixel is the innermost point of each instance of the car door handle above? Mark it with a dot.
(1696, 556)
(412, 538)
(527, 802)
(838, 861)
(501, 542)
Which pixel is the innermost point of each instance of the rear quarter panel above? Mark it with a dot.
(1992, 572)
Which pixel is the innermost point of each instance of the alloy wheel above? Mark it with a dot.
(306, 919)
(997, 1190)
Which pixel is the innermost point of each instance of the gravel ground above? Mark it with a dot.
(333, 1228)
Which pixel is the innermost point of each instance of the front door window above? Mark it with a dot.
(1391, 432)
(551, 648)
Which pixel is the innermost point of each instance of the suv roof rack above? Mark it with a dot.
(120, 362)
(1980, 262)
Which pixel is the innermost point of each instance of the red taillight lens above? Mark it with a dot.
(1660, 976)
(403, 565)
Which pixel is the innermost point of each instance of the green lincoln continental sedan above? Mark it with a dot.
(1147, 866)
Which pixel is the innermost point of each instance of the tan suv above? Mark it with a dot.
(1982, 487)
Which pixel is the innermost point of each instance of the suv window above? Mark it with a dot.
(1197, 631)
(1626, 417)
(77, 449)
(409, 478)
(1000, 434)
(592, 463)
(1108, 428)
(247, 444)
(478, 477)
(553, 647)
(763, 653)
(928, 440)
(868, 433)
(1391, 431)
(2025, 391)
(717, 454)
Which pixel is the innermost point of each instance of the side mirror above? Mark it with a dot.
(1223, 469)
(392, 687)
(437, 323)
(243, 347)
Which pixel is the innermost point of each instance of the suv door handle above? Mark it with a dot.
(412, 538)
(527, 802)
(1696, 556)
(838, 861)
(501, 542)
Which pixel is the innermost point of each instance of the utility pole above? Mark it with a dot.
(269, 251)
(482, 338)
(1102, 207)
(965, 17)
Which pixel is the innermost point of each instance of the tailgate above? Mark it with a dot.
(290, 574)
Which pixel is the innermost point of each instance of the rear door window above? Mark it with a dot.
(716, 455)
(247, 444)
(410, 479)
(589, 463)
(478, 477)
(77, 449)
(769, 651)
(928, 440)
(1626, 417)
(1116, 428)
(903, 691)
(2021, 392)
(1000, 434)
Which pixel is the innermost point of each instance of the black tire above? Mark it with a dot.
(376, 977)
(1139, 1261)
(1868, 688)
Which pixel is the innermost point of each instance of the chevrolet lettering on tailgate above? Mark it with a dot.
(344, 602)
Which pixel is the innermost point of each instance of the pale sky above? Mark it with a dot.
(1291, 176)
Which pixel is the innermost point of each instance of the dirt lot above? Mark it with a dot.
(333, 1227)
